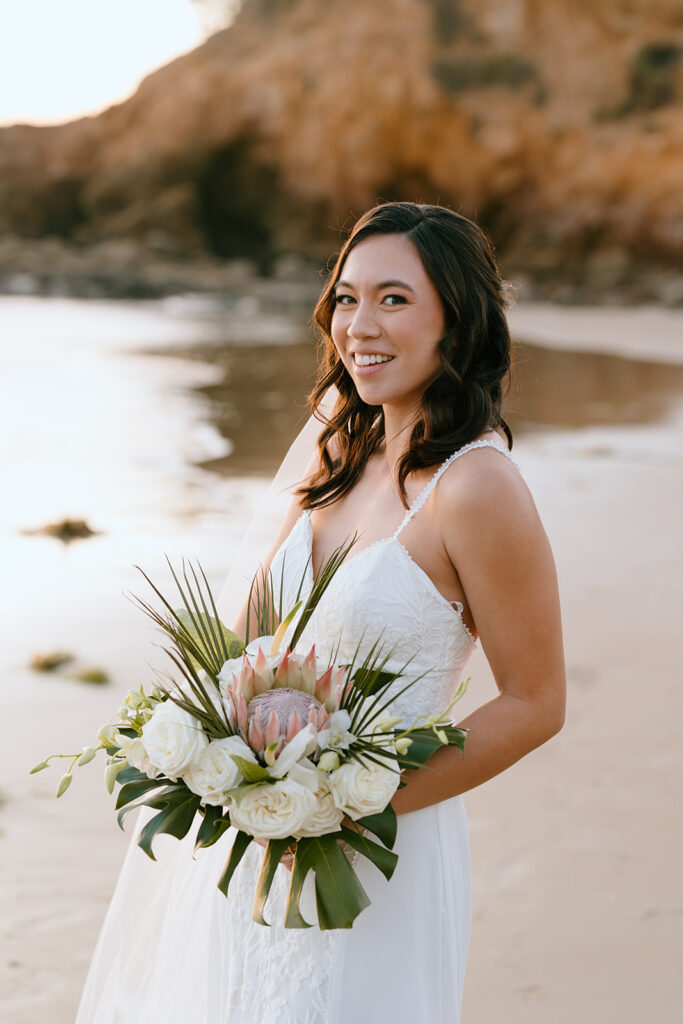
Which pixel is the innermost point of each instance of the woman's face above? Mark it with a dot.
(387, 321)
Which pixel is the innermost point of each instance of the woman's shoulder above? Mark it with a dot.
(483, 480)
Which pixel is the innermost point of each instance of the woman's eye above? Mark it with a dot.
(391, 300)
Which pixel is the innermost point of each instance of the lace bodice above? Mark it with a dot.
(381, 590)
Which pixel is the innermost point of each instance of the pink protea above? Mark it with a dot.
(330, 687)
(276, 716)
(272, 705)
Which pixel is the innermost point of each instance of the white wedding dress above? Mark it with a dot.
(173, 950)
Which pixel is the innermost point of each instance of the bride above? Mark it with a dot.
(410, 452)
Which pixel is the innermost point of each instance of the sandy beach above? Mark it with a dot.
(578, 904)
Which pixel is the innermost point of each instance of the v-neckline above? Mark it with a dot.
(393, 538)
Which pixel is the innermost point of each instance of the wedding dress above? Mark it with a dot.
(173, 949)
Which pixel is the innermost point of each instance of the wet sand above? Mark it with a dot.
(578, 909)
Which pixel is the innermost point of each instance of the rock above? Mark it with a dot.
(91, 674)
(50, 662)
(557, 126)
(65, 530)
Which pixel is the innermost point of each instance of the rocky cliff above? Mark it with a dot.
(558, 126)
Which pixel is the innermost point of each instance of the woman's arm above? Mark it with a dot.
(495, 541)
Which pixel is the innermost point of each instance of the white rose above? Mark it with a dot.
(214, 771)
(274, 810)
(359, 789)
(326, 818)
(173, 738)
(133, 749)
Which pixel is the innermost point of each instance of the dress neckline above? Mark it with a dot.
(454, 607)
(417, 504)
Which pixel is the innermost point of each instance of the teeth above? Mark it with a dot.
(369, 360)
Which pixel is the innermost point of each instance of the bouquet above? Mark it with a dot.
(299, 752)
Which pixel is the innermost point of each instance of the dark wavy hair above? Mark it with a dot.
(466, 397)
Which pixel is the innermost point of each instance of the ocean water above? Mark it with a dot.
(159, 424)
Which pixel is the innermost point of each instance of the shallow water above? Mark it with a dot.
(144, 421)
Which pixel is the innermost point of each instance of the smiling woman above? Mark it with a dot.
(411, 460)
(59, 61)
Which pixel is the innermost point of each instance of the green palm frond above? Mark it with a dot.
(320, 585)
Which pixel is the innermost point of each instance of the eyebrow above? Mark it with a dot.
(383, 284)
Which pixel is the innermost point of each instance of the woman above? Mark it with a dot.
(412, 459)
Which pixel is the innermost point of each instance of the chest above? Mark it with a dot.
(373, 511)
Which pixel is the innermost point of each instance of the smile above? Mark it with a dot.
(370, 360)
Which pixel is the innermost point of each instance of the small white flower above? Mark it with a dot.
(336, 735)
(133, 749)
(214, 771)
(173, 739)
(328, 761)
(274, 810)
(385, 723)
(107, 735)
(135, 700)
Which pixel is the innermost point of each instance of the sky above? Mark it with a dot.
(60, 59)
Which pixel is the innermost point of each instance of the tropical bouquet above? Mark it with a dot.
(298, 752)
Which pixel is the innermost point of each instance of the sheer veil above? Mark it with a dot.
(268, 518)
(147, 934)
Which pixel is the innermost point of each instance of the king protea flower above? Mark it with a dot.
(274, 698)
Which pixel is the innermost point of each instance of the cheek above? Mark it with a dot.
(338, 335)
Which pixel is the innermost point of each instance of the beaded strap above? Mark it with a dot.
(421, 499)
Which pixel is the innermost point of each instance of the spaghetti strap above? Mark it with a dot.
(421, 498)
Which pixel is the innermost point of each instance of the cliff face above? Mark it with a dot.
(558, 126)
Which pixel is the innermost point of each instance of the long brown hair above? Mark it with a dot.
(466, 397)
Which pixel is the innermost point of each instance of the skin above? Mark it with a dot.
(479, 537)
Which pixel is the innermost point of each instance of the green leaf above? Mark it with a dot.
(425, 742)
(339, 896)
(251, 772)
(174, 821)
(271, 859)
(382, 858)
(382, 825)
(456, 736)
(370, 681)
(242, 840)
(212, 827)
(133, 790)
(320, 585)
(130, 774)
(206, 633)
(304, 860)
(165, 798)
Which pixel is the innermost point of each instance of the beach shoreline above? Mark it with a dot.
(574, 849)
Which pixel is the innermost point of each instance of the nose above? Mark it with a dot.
(363, 324)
